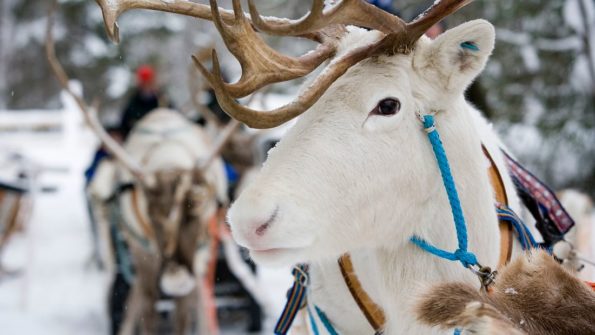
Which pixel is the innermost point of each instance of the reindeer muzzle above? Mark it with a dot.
(176, 280)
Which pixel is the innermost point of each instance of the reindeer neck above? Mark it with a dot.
(399, 270)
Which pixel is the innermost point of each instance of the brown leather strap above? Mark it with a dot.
(145, 226)
(12, 225)
(371, 310)
(504, 226)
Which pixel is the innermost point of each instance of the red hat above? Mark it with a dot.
(145, 74)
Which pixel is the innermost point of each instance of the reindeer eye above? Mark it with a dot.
(387, 107)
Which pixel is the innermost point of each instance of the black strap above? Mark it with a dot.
(121, 189)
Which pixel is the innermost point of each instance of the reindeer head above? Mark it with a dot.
(357, 163)
(345, 172)
(178, 206)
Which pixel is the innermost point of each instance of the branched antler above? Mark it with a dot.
(347, 12)
(112, 9)
(88, 112)
(261, 65)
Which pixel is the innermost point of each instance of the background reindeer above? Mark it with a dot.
(176, 182)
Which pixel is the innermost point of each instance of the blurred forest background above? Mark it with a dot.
(539, 85)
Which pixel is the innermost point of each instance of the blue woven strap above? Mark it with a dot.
(525, 237)
(295, 298)
(461, 254)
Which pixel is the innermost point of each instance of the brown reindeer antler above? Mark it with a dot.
(347, 12)
(262, 66)
(88, 112)
(112, 9)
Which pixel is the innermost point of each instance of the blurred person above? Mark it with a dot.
(145, 98)
(102, 153)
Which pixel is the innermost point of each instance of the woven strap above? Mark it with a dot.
(295, 299)
(524, 234)
(553, 221)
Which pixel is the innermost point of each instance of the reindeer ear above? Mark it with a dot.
(460, 54)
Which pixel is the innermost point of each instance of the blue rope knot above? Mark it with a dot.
(467, 258)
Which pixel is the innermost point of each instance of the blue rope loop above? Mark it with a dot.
(466, 258)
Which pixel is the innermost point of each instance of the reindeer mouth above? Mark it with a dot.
(177, 281)
(276, 256)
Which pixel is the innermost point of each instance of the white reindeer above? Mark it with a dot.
(344, 180)
(356, 173)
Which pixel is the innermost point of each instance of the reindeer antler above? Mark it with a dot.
(347, 12)
(438, 11)
(112, 9)
(89, 113)
(262, 66)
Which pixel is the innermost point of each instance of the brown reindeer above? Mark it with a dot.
(532, 295)
(177, 208)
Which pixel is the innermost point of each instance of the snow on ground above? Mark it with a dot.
(58, 291)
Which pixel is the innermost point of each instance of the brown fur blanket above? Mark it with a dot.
(532, 295)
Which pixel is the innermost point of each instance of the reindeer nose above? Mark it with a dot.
(252, 220)
(261, 229)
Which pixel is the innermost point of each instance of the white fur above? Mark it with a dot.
(177, 282)
(165, 139)
(345, 181)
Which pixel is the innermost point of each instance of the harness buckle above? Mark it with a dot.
(300, 276)
(485, 274)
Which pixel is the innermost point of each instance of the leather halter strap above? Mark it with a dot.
(374, 313)
(505, 227)
(145, 226)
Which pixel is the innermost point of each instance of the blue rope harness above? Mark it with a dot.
(296, 295)
(466, 258)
